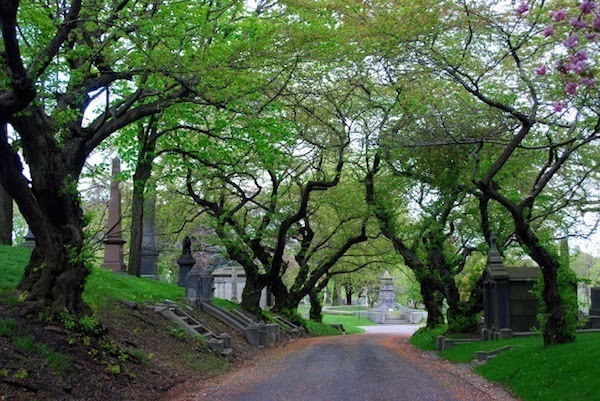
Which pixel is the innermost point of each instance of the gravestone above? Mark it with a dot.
(199, 286)
(113, 243)
(149, 260)
(186, 261)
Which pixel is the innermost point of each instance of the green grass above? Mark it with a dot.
(58, 362)
(321, 329)
(561, 372)
(427, 339)
(12, 264)
(350, 323)
(349, 308)
(464, 353)
(225, 304)
(7, 327)
(103, 285)
(531, 371)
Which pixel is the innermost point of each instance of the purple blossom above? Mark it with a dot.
(591, 36)
(596, 23)
(588, 81)
(549, 31)
(558, 106)
(522, 8)
(559, 15)
(578, 67)
(572, 41)
(580, 55)
(541, 70)
(587, 6)
(571, 88)
(578, 23)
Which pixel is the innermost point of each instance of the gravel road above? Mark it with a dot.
(348, 368)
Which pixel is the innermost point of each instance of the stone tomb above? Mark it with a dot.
(507, 298)
(594, 317)
(229, 283)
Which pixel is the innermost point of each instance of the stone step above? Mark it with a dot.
(396, 321)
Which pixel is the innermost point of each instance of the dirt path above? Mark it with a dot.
(348, 368)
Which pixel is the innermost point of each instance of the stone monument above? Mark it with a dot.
(508, 302)
(149, 260)
(387, 296)
(113, 249)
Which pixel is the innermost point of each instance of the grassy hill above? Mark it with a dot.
(125, 351)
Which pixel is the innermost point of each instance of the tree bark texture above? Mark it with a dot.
(6, 217)
(55, 275)
(143, 170)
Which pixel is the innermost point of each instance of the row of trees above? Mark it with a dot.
(314, 139)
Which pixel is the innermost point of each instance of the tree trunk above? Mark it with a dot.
(557, 330)
(349, 291)
(433, 300)
(283, 298)
(6, 217)
(316, 306)
(335, 295)
(143, 170)
(55, 276)
(252, 292)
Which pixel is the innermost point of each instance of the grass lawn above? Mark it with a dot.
(561, 372)
(350, 323)
(12, 263)
(103, 285)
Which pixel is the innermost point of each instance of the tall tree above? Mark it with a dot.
(76, 73)
(543, 162)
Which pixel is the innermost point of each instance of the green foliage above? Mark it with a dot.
(462, 318)
(113, 368)
(177, 331)
(426, 339)
(7, 327)
(294, 316)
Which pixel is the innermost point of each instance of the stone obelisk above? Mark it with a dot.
(113, 249)
(150, 252)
